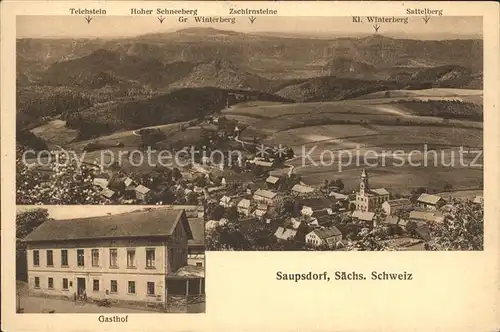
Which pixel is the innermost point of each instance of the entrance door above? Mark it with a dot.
(80, 285)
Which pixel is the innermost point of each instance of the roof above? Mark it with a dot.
(429, 199)
(128, 182)
(142, 189)
(262, 207)
(321, 213)
(379, 191)
(103, 183)
(402, 222)
(316, 203)
(263, 163)
(398, 202)
(244, 203)
(157, 222)
(272, 179)
(302, 189)
(187, 272)
(366, 216)
(225, 199)
(478, 200)
(108, 193)
(197, 226)
(392, 220)
(424, 232)
(283, 233)
(325, 233)
(265, 193)
(427, 216)
(338, 196)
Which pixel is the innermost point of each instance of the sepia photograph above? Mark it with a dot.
(111, 259)
(348, 134)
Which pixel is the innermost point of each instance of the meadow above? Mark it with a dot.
(334, 129)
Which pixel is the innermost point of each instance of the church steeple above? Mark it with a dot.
(363, 185)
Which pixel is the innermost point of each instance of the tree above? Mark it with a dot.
(67, 183)
(340, 184)
(26, 222)
(231, 213)
(461, 230)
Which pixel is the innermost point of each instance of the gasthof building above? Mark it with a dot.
(125, 257)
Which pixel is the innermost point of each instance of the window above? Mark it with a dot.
(65, 283)
(95, 257)
(95, 287)
(36, 258)
(113, 258)
(37, 282)
(151, 288)
(64, 257)
(150, 258)
(50, 258)
(114, 286)
(130, 258)
(80, 258)
(131, 287)
(51, 283)
(199, 264)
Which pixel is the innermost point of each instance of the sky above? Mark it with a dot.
(439, 27)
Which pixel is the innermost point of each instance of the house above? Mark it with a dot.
(324, 237)
(265, 196)
(363, 216)
(478, 200)
(300, 189)
(430, 202)
(212, 224)
(367, 199)
(142, 193)
(232, 179)
(196, 245)
(128, 182)
(125, 257)
(338, 196)
(272, 181)
(262, 162)
(226, 201)
(423, 231)
(101, 182)
(426, 216)
(117, 185)
(285, 234)
(393, 206)
(261, 210)
(243, 207)
(323, 217)
(108, 193)
(311, 204)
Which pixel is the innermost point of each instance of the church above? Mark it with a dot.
(369, 199)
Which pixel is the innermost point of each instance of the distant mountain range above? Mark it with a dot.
(143, 73)
(269, 56)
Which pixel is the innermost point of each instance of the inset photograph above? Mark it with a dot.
(109, 259)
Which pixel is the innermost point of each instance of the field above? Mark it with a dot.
(55, 132)
(467, 95)
(334, 132)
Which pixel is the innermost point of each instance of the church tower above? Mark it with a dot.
(363, 185)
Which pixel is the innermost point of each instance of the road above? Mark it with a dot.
(32, 304)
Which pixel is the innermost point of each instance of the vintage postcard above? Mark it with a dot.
(318, 151)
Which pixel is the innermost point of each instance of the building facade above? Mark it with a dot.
(368, 199)
(124, 257)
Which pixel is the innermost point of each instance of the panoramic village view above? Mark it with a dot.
(264, 130)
